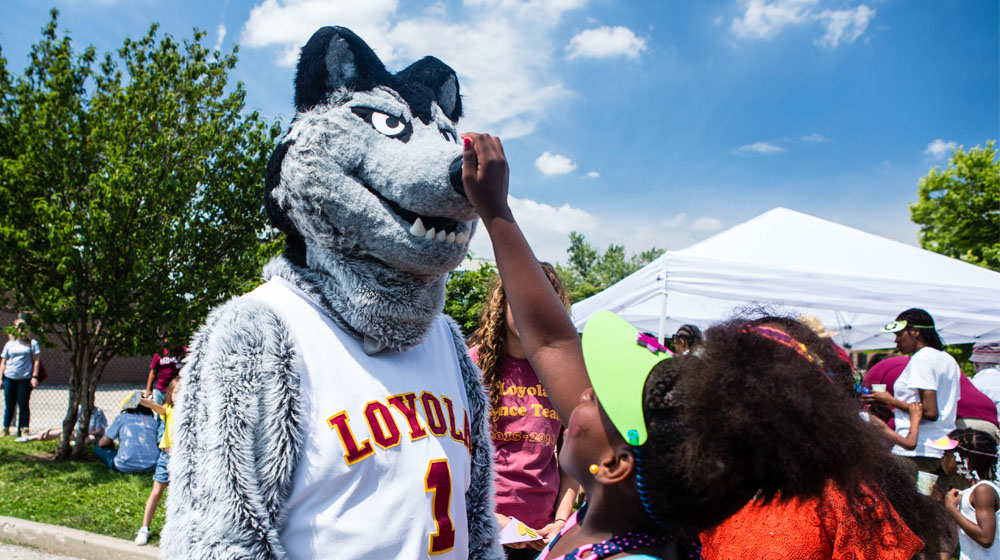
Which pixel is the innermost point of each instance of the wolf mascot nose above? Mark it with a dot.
(455, 174)
(336, 399)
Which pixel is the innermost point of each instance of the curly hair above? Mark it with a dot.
(754, 417)
(492, 331)
(978, 450)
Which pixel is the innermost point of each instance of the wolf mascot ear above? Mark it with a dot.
(335, 57)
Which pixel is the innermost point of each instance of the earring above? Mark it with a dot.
(594, 469)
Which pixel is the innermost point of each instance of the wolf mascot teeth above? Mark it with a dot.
(333, 412)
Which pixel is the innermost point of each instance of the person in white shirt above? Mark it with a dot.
(19, 369)
(986, 360)
(932, 378)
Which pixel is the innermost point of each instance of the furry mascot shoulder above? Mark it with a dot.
(334, 410)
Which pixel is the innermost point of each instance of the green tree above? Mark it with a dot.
(131, 197)
(959, 208)
(589, 272)
(467, 294)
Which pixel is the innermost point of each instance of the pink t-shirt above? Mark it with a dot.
(525, 431)
(974, 403)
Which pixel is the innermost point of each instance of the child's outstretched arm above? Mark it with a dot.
(550, 340)
(916, 410)
(152, 405)
(985, 500)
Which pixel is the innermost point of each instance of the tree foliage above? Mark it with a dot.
(959, 208)
(467, 294)
(130, 188)
(589, 272)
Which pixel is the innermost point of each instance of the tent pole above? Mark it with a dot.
(661, 335)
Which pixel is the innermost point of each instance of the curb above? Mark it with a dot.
(71, 542)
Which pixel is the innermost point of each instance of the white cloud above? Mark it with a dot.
(706, 224)
(554, 164)
(592, 175)
(605, 42)
(939, 149)
(844, 25)
(680, 222)
(814, 138)
(220, 33)
(502, 50)
(546, 228)
(759, 148)
(765, 19)
(675, 222)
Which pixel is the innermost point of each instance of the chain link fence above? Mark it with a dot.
(49, 403)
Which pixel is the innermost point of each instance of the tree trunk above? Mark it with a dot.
(78, 366)
(92, 377)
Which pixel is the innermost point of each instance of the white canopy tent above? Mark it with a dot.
(792, 263)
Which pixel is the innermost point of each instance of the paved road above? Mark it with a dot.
(14, 552)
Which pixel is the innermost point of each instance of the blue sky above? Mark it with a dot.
(645, 123)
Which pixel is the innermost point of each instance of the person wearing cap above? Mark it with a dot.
(986, 361)
(660, 451)
(136, 432)
(687, 339)
(931, 377)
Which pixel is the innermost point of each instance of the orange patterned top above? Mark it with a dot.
(815, 529)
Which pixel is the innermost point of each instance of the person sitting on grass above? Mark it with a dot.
(160, 478)
(135, 429)
(98, 423)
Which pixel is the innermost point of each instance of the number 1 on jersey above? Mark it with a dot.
(438, 480)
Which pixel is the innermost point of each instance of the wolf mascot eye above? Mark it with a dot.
(393, 127)
(334, 408)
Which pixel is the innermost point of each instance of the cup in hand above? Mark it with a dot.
(878, 387)
(925, 482)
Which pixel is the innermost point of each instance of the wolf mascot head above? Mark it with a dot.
(366, 185)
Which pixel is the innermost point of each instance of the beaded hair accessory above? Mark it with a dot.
(785, 339)
(963, 464)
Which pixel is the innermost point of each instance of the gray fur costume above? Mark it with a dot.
(366, 186)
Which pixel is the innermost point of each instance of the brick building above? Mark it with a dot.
(121, 370)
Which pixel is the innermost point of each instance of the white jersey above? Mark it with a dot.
(385, 457)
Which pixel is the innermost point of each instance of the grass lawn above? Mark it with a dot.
(83, 495)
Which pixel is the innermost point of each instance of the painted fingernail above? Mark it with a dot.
(467, 141)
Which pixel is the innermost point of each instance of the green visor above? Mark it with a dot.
(897, 326)
(619, 359)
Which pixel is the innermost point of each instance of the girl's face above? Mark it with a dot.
(906, 341)
(589, 437)
(949, 463)
(176, 390)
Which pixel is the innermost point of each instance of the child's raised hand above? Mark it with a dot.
(916, 410)
(485, 174)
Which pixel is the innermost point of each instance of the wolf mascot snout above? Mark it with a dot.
(333, 411)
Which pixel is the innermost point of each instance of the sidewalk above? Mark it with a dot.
(17, 552)
(71, 542)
